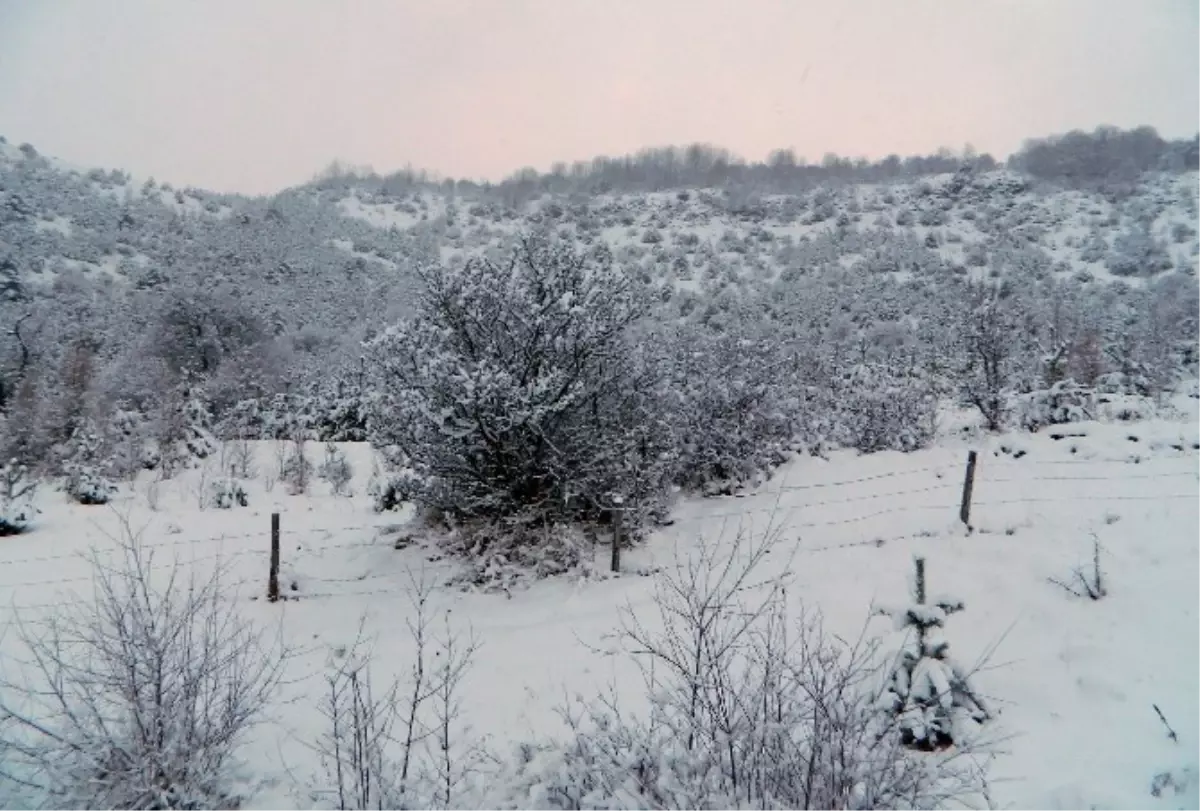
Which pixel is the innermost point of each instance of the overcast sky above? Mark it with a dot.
(255, 95)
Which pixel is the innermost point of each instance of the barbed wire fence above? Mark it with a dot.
(308, 540)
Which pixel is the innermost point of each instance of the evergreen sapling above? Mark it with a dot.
(928, 692)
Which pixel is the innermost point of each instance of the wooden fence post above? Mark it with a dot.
(618, 509)
(273, 576)
(964, 512)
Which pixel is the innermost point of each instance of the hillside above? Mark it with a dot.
(93, 258)
(58, 219)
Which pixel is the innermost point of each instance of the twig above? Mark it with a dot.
(1170, 732)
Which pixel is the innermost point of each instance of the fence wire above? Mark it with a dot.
(309, 547)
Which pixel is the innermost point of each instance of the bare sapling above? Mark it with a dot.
(139, 697)
(400, 747)
(1088, 582)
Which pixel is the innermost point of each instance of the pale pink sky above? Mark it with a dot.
(255, 95)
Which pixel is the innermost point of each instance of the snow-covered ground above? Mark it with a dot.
(1075, 680)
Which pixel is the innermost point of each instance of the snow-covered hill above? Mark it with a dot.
(58, 217)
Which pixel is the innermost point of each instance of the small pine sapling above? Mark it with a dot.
(227, 492)
(199, 438)
(925, 689)
(85, 466)
(336, 469)
(296, 470)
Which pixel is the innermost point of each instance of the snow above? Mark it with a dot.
(1073, 680)
(58, 224)
(382, 215)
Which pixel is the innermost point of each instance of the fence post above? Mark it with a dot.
(617, 511)
(273, 576)
(964, 512)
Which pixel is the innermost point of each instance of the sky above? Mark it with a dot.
(256, 95)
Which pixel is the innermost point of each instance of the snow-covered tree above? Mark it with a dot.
(516, 387)
(86, 465)
(990, 337)
(925, 688)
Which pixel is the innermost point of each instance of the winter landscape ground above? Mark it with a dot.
(446, 390)
(1074, 680)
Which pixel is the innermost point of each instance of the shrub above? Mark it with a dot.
(729, 406)
(227, 492)
(880, 409)
(138, 699)
(1136, 252)
(406, 746)
(519, 386)
(1064, 402)
(84, 467)
(336, 469)
(296, 470)
(388, 491)
(17, 488)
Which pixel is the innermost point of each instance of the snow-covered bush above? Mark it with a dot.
(139, 698)
(519, 387)
(87, 485)
(126, 433)
(1122, 384)
(729, 406)
(338, 411)
(880, 408)
(504, 554)
(239, 458)
(17, 488)
(227, 492)
(1136, 252)
(85, 465)
(1064, 402)
(389, 490)
(198, 436)
(925, 689)
(296, 470)
(183, 431)
(336, 469)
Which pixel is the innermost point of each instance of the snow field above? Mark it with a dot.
(1074, 680)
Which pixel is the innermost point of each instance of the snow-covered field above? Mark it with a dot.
(1075, 680)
